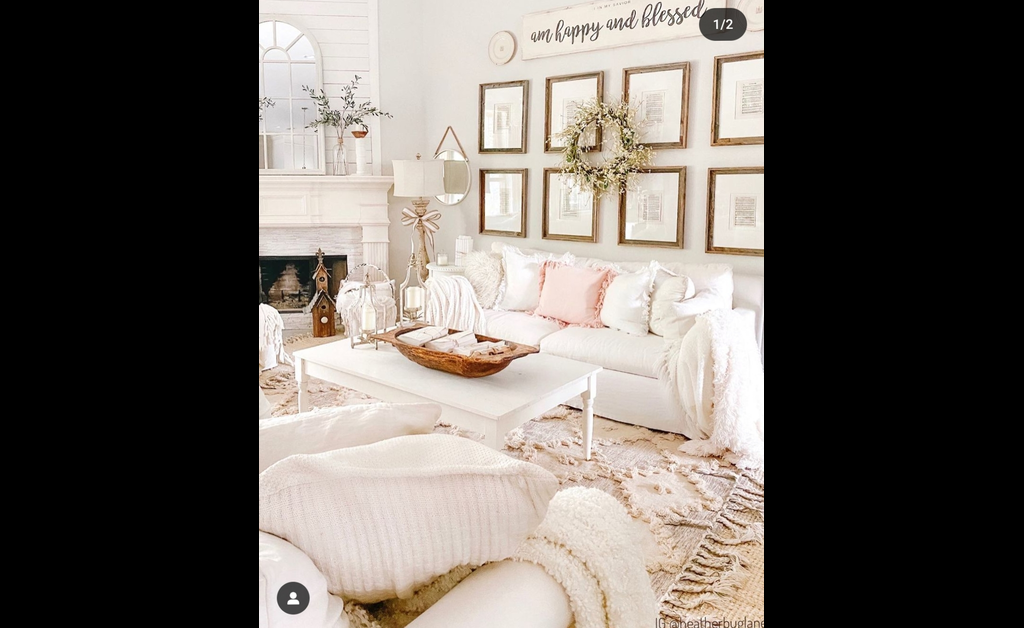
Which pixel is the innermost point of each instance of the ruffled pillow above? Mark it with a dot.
(483, 270)
(573, 296)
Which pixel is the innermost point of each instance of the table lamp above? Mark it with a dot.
(420, 180)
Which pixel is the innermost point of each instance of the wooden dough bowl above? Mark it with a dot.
(470, 367)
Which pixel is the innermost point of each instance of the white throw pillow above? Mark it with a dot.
(483, 270)
(682, 317)
(627, 304)
(383, 521)
(667, 294)
(281, 564)
(521, 286)
(264, 406)
(336, 428)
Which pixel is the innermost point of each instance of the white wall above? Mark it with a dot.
(433, 60)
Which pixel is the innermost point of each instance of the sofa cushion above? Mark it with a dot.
(613, 350)
(484, 272)
(336, 428)
(382, 521)
(281, 564)
(670, 292)
(518, 327)
(574, 296)
(520, 291)
(627, 306)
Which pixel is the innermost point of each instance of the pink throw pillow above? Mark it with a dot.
(571, 295)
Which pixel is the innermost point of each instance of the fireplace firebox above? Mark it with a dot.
(286, 282)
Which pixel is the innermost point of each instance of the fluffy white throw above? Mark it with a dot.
(452, 303)
(272, 339)
(717, 376)
(589, 545)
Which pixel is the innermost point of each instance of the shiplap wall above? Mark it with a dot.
(346, 32)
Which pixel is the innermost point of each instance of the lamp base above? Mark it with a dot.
(422, 256)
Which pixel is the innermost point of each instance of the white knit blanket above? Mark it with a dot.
(589, 545)
(452, 303)
(272, 339)
(716, 374)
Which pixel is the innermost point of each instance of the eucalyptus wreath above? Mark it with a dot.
(629, 156)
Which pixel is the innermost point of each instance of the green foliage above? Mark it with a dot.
(629, 157)
(265, 103)
(350, 114)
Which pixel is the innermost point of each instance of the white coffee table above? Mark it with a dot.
(492, 406)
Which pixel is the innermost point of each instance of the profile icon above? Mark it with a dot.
(293, 598)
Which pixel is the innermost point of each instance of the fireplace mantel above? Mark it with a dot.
(332, 204)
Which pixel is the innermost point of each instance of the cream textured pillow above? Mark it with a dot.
(521, 287)
(667, 294)
(264, 406)
(384, 520)
(483, 271)
(627, 305)
(337, 428)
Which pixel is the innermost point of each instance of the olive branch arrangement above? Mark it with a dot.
(349, 115)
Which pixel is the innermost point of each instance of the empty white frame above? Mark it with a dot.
(503, 198)
(570, 213)
(504, 117)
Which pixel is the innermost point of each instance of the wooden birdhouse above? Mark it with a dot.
(323, 308)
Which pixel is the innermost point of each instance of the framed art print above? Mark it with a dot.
(504, 117)
(661, 96)
(565, 95)
(736, 211)
(654, 214)
(570, 214)
(503, 197)
(739, 100)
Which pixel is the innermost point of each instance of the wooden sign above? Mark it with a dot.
(611, 24)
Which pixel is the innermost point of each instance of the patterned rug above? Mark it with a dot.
(701, 520)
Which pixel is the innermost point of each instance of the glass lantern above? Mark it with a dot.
(369, 316)
(413, 295)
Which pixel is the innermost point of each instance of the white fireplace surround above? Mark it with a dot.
(342, 215)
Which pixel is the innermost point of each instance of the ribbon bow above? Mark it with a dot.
(428, 222)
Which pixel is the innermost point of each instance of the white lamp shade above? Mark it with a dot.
(419, 179)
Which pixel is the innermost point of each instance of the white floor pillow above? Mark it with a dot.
(337, 428)
(282, 564)
(264, 406)
(384, 520)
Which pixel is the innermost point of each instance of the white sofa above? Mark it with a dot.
(629, 390)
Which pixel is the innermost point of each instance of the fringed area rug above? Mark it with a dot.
(702, 520)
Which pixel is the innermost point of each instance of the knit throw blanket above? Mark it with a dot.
(716, 374)
(452, 303)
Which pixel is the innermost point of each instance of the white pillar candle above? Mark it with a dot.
(369, 322)
(414, 298)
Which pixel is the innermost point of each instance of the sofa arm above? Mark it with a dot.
(502, 595)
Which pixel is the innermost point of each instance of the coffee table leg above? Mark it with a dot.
(588, 416)
(303, 382)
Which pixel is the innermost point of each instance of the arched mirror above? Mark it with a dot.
(457, 174)
(288, 61)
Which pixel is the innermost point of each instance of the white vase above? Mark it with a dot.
(362, 156)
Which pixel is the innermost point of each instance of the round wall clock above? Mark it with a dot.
(754, 12)
(502, 48)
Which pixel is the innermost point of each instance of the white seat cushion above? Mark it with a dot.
(614, 350)
(518, 327)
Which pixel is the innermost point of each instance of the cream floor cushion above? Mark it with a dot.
(384, 520)
(281, 564)
(519, 327)
(614, 350)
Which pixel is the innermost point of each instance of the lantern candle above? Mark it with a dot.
(414, 298)
(369, 322)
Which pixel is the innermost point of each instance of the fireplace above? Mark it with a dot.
(286, 282)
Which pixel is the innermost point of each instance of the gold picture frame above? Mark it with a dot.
(553, 84)
(656, 214)
(572, 209)
(755, 110)
(684, 90)
(485, 199)
(502, 119)
(752, 199)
